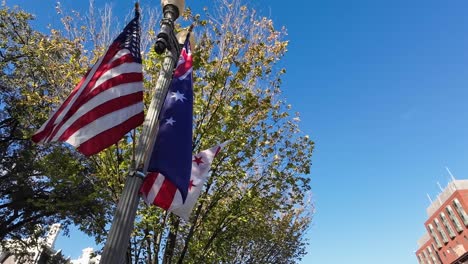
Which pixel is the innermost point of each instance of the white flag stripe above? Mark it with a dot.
(78, 93)
(114, 92)
(116, 71)
(155, 188)
(104, 123)
(177, 202)
(119, 54)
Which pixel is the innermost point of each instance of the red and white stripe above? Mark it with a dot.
(102, 108)
(158, 190)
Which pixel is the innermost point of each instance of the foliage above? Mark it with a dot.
(255, 206)
(39, 185)
(254, 209)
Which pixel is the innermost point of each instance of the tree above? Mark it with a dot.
(255, 206)
(39, 185)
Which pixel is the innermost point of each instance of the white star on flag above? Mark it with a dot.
(178, 96)
(170, 121)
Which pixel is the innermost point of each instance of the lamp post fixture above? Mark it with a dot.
(118, 239)
(166, 36)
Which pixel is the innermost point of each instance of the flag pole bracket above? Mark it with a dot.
(138, 174)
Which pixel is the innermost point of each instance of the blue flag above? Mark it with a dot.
(172, 152)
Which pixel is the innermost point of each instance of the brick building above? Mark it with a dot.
(446, 240)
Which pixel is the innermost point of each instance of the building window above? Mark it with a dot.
(454, 218)
(426, 259)
(429, 251)
(447, 225)
(434, 235)
(460, 211)
(420, 259)
(441, 231)
(436, 254)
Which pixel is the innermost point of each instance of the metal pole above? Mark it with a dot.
(124, 217)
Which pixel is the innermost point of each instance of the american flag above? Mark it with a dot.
(108, 101)
(172, 153)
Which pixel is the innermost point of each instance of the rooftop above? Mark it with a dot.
(423, 240)
(445, 194)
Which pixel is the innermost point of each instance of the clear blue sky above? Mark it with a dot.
(382, 88)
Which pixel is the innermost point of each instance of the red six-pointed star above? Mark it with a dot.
(191, 185)
(198, 160)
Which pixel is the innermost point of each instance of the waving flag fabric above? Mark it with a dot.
(172, 152)
(108, 101)
(154, 182)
